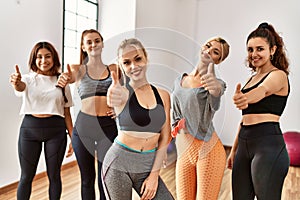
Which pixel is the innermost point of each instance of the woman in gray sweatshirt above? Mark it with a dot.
(196, 97)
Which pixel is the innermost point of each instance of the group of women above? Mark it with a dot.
(125, 122)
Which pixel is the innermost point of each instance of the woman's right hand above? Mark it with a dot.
(64, 77)
(116, 94)
(15, 78)
(230, 159)
(239, 99)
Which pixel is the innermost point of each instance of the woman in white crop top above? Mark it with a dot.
(46, 110)
(95, 127)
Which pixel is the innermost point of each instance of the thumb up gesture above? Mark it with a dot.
(239, 99)
(64, 78)
(210, 82)
(116, 94)
(15, 80)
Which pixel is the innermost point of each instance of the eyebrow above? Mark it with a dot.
(44, 54)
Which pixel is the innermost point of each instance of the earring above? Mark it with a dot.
(271, 57)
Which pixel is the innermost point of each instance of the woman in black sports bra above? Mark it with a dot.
(143, 118)
(259, 159)
(95, 127)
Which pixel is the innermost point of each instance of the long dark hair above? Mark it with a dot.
(55, 70)
(267, 31)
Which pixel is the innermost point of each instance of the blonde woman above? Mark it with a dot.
(196, 97)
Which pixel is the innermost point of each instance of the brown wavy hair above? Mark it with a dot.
(55, 70)
(267, 31)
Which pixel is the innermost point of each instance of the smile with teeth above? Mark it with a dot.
(136, 72)
(255, 59)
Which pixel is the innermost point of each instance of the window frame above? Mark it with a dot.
(78, 13)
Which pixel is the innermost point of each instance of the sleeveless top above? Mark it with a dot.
(93, 87)
(134, 117)
(273, 104)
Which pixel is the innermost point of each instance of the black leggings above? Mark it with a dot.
(35, 132)
(92, 135)
(261, 163)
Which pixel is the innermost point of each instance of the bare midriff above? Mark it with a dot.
(42, 115)
(95, 106)
(251, 119)
(140, 141)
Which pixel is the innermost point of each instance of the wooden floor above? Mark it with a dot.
(71, 185)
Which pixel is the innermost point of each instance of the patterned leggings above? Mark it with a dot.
(200, 167)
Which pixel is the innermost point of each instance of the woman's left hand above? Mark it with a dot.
(149, 187)
(210, 82)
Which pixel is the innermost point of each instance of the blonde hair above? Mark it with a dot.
(224, 47)
(131, 42)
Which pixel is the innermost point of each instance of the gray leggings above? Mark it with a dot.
(123, 170)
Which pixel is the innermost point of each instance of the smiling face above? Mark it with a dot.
(212, 52)
(92, 44)
(259, 52)
(44, 61)
(133, 62)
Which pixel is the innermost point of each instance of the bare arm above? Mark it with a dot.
(273, 84)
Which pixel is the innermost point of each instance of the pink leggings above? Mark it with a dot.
(200, 167)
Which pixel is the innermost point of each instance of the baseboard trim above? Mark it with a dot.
(14, 185)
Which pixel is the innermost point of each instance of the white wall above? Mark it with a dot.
(117, 22)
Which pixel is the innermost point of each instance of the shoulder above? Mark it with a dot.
(78, 71)
(164, 94)
(277, 75)
(76, 67)
(113, 67)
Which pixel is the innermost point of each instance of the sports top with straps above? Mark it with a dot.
(93, 87)
(134, 117)
(273, 104)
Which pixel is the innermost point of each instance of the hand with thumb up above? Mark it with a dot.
(15, 80)
(64, 78)
(239, 99)
(116, 94)
(210, 82)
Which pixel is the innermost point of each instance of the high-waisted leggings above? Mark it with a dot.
(200, 167)
(92, 136)
(261, 163)
(34, 133)
(124, 169)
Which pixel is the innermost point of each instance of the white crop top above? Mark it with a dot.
(41, 96)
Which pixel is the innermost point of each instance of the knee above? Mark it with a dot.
(26, 178)
(88, 183)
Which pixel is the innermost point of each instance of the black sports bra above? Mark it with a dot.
(134, 117)
(273, 104)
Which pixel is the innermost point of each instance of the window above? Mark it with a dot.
(78, 16)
